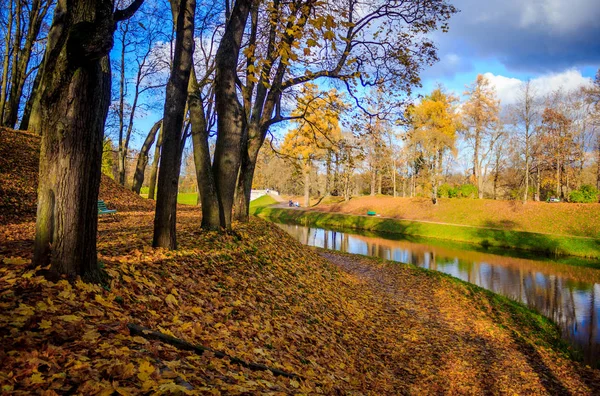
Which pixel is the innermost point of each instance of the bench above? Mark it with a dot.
(371, 213)
(102, 209)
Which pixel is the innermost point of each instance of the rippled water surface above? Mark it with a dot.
(568, 294)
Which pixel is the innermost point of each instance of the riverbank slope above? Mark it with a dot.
(502, 237)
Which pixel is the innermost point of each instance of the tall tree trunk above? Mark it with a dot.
(14, 73)
(33, 97)
(165, 217)
(154, 169)
(307, 169)
(477, 165)
(230, 121)
(373, 181)
(207, 190)
(247, 168)
(538, 183)
(379, 182)
(6, 61)
(122, 151)
(598, 162)
(526, 193)
(37, 13)
(75, 94)
(140, 169)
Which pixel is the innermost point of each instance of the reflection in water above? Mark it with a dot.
(569, 295)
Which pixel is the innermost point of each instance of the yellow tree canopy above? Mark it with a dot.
(318, 127)
(434, 122)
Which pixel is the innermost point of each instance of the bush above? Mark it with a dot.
(447, 191)
(586, 194)
(144, 190)
(467, 191)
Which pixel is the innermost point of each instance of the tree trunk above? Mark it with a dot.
(154, 170)
(246, 175)
(165, 217)
(140, 169)
(538, 184)
(207, 190)
(526, 193)
(33, 98)
(122, 150)
(373, 181)
(6, 61)
(230, 121)
(477, 165)
(75, 95)
(379, 182)
(307, 169)
(37, 13)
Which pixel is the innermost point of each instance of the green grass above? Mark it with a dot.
(187, 198)
(485, 237)
(262, 202)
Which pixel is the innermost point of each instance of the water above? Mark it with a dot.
(568, 294)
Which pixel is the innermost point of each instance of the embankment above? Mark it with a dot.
(483, 236)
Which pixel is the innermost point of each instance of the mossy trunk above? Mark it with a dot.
(75, 94)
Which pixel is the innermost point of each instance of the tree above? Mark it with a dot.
(480, 116)
(433, 130)
(558, 141)
(384, 45)
(317, 132)
(74, 99)
(32, 16)
(138, 177)
(183, 12)
(138, 39)
(593, 98)
(526, 115)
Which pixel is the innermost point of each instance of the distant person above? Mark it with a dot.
(290, 203)
(297, 204)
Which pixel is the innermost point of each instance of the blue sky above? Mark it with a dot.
(556, 41)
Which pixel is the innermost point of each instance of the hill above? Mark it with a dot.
(19, 160)
(337, 323)
(571, 219)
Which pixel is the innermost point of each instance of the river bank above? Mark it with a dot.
(548, 244)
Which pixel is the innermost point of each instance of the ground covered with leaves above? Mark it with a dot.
(340, 324)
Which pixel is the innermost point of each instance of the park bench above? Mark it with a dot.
(102, 209)
(371, 213)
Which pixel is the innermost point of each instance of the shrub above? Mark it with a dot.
(586, 194)
(447, 191)
(467, 191)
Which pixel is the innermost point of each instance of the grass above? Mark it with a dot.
(485, 237)
(261, 202)
(187, 198)
(569, 219)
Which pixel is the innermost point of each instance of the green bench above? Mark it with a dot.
(102, 209)
(371, 213)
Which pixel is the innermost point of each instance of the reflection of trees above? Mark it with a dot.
(547, 287)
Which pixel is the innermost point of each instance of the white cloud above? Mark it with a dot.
(507, 88)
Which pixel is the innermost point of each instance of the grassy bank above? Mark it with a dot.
(569, 219)
(485, 237)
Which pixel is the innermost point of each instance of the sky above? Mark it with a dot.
(554, 43)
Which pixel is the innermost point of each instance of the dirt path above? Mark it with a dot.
(452, 343)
